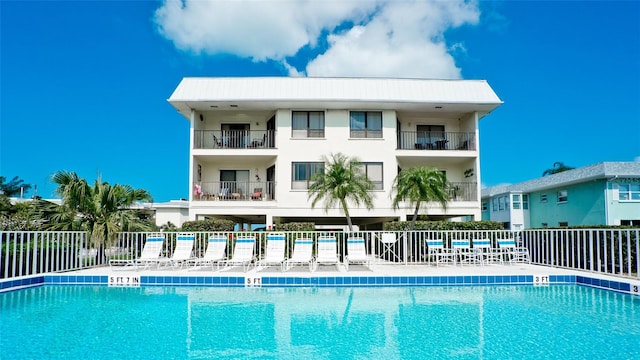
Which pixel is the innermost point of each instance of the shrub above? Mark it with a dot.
(208, 225)
(443, 225)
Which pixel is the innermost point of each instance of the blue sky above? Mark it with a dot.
(83, 85)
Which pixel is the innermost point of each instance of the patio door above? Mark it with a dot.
(236, 135)
(237, 181)
(271, 178)
(271, 133)
(429, 134)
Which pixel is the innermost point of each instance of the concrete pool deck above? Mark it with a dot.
(385, 274)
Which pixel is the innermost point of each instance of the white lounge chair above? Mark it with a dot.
(357, 253)
(150, 253)
(327, 253)
(242, 253)
(463, 253)
(483, 250)
(302, 254)
(515, 254)
(436, 250)
(275, 251)
(216, 246)
(182, 252)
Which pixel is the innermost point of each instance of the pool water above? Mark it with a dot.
(497, 322)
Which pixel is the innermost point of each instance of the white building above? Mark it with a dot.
(255, 142)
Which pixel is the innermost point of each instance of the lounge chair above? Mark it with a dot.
(436, 250)
(463, 252)
(216, 246)
(327, 253)
(275, 251)
(483, 250)
(150, 253)
(514, 253)
(182, 253)
(242, 253)
(302, 254)
(357, 253)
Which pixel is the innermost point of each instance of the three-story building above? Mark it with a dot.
(256, 142)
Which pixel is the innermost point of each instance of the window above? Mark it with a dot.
(525, 202)
(543, 198)
(485, 206)
(374, 173)
(545, 225)
(366, 124)
(495, 204)
(629, 192)
(562, 196)
(302, 173)
(563, 223)
(516, 201)
(630, 222)
(501, 203)
(307, 124)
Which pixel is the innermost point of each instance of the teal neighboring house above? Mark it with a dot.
(606, 193)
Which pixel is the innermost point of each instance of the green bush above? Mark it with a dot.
(443, 225)
(296, 226)
(208, 225)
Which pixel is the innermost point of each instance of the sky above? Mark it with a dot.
(84, 84)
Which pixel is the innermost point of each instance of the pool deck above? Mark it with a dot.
(385, 274)
(333, 271)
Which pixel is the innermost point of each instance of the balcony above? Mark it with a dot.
(234, 139)
(463, 191)
(420, 140)
(235, 191)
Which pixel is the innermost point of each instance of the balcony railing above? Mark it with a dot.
(436, 140)
(235, 191)
(234, 139)
(463, 191)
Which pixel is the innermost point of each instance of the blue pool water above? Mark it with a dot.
(524, 322)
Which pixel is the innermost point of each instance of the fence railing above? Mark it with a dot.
(606, 251)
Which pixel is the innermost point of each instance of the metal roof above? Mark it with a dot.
(210, 94)
(603, 170)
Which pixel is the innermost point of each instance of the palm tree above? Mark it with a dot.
(13, 187)
(103, 209)
(558, 167)
(420, 185)
(342, 181)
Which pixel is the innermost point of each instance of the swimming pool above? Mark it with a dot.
(567, 321)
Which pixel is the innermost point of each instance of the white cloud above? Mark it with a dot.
(363, 38)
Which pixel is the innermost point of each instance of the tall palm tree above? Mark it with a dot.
(342, 181)
(103, 209)
(420, 185)
(558, 167)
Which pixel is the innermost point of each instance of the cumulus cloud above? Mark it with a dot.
(347, 37)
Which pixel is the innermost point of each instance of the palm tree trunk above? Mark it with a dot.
(415, 215)
(346, 213)
(100, 254)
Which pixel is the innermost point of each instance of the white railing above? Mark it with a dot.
(610, 251)
(36, 252)
(607, 251)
